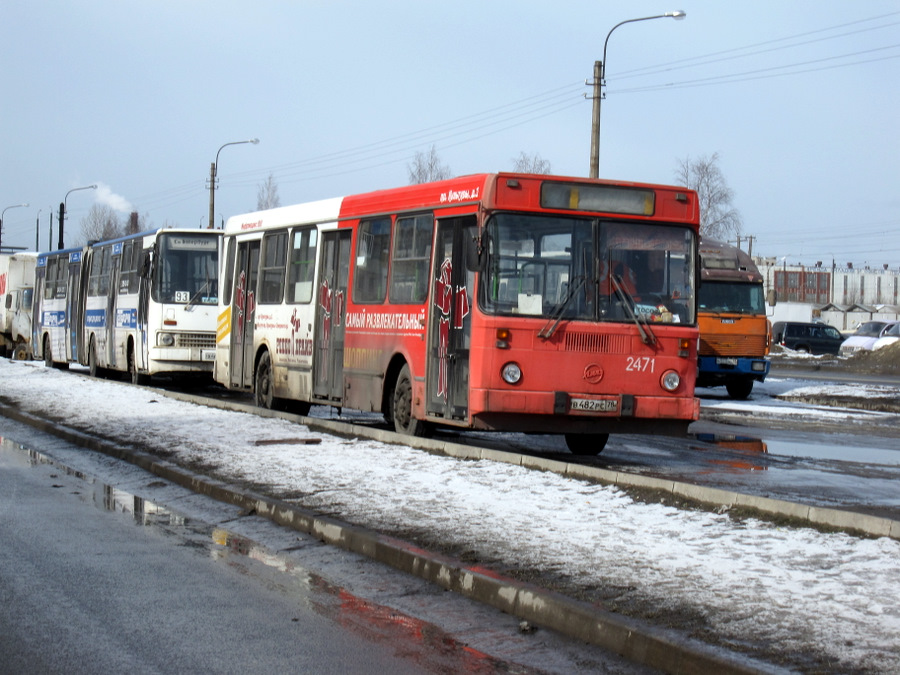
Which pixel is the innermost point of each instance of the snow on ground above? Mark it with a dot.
(834, 595)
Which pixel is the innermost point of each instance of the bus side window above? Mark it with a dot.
(372, 254)
(272, 269)
(412, 252)
(302, 265)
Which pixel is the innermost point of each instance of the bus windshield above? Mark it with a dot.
(588, 269)
(728, 296)
(187, 269)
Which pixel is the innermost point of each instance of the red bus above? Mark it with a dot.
(511, 302)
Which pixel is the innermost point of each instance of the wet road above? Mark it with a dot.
(97, 576)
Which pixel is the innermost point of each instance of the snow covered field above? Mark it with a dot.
(806, 593)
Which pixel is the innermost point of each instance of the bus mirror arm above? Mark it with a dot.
(475, 258)
(145, 264)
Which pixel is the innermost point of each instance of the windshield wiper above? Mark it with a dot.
(647, 336)
(556, 315)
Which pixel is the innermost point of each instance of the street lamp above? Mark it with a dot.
(14, 206)
(600, 81)
(62, 212)
(213, 170)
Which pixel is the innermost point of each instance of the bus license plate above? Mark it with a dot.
(593, 405)
(207, 354)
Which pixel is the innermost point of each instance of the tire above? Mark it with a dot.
(94, 369)
(586, 444)
(401, 407)
(138, 378)
(739, 389)
(20, 353)
(263, 384)
(48, 353)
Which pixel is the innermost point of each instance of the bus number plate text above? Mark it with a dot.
(207, 354)
(593, 405)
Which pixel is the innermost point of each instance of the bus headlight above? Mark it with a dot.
(670, 380)
(165, 339)
(511, 373)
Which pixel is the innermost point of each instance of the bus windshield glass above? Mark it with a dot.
(186, 269)
(728, 296)
(587, 269)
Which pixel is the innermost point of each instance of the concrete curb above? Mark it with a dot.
(662, 649)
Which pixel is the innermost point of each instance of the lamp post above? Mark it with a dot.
(14, 206)
(213, 171)
(600, 81)
(62, 212)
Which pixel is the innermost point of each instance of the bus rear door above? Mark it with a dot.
(447, 380)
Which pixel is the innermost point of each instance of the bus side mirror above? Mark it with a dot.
(475, 257)
(772, 297)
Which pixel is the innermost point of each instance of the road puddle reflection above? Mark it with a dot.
(744, 453)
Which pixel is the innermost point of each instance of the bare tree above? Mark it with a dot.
(267, 195)
(718, 218)
(427, 167)
(101, 223)
(525, 163)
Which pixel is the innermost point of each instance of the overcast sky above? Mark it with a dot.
(799, 99)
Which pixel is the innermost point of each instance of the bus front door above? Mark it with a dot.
(328, 364)
(447, 380)
(243, 314)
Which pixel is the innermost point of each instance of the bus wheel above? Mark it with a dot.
(586, 444)
(263, 386)
(136, 377)
(401, 407)
(739, 389)
(48, 355)
(95, 370)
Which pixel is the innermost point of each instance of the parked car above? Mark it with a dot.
(888, 337)
(866, 336)
(810, 338)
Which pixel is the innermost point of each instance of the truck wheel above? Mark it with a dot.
(739, 389)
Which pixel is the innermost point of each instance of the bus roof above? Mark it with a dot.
(488, 190)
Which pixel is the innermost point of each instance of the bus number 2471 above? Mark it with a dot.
(641, 364)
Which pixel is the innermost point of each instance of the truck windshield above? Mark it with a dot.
(586, 269)
(731, 297)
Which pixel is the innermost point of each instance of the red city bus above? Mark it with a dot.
(510, 302)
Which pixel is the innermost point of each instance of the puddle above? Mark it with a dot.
(420, 642)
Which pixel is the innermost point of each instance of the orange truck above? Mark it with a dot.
(734, 330)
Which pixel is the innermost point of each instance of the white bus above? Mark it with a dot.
(144, 304)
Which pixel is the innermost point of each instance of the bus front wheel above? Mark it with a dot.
(401, 407)
(586, 444)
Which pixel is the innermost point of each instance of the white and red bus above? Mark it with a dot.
(503, 301)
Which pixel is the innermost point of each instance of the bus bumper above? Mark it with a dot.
(553, 412)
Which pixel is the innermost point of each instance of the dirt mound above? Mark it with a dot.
(885, 361)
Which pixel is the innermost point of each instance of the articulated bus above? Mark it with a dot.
(144, 304)
(734, 329)
(494, 302)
